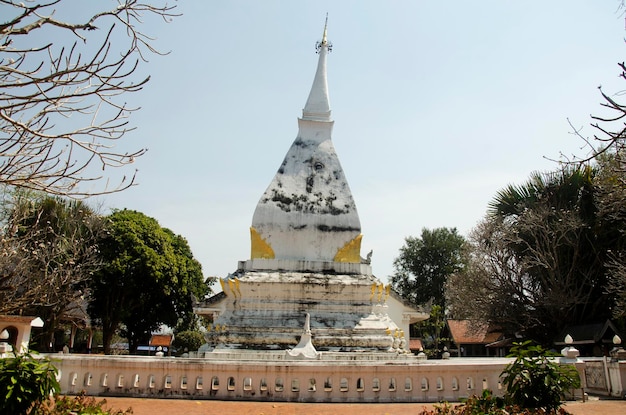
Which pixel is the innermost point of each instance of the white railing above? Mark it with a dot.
(605, 376)
(306, 381)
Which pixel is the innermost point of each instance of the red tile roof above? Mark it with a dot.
(415, 344)
(163, 340)
(473, 332)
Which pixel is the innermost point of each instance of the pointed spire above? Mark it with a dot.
(324, 39)
(307, 213)
(317, 107)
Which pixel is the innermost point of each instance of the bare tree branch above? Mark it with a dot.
(61, 107)
(608, 141)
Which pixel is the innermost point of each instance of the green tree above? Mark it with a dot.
(188, 340)
(430, 331)
(188, 271)
(148, 279)
(425, 263)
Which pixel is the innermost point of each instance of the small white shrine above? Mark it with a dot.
(305, 270)
(15, 333)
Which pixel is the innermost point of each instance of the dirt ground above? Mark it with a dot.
(593, 406)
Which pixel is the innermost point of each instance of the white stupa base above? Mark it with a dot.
(292, 265)
(266, 311)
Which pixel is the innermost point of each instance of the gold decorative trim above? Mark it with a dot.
(259, 249)
(237, 286)
(351, 252)
(231, 285)
(223, 286)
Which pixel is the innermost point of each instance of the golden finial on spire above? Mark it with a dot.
(324, 41)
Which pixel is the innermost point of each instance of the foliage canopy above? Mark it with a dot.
(149, 278)
(425, 263)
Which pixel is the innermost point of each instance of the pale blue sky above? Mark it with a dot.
(437, 105)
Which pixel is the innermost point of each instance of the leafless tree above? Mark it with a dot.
(61, 92)
(492, 278)
(609, 141)
(611, 129)
(48, 251)
(531, 276)
(612, 209)
(607, 150)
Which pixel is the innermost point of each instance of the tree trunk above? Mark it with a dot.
(107, 337)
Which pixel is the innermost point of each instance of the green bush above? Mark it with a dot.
(81, 404)
(535, 385)
(533, 380)
(188, 339)
(25, 382)
(487, 404)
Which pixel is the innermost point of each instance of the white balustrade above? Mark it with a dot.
(342, 380)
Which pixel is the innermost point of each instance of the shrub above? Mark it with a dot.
(81, 404)
(25, 382)
(487, 404)
(533, 380)
(188, 339)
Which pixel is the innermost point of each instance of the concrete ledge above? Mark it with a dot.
(305, 266)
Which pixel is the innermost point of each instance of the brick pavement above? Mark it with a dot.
(211, 407)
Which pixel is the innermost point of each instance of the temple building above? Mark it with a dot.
(304, 319)
(305, 270)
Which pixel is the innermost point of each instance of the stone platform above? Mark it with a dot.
(266, 310)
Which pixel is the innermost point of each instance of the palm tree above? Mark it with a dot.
(550, 225)
(568, 188)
